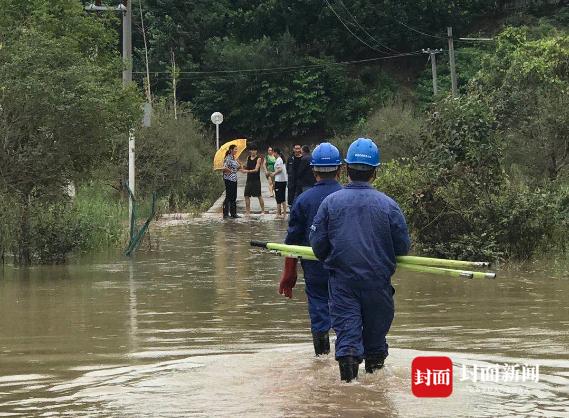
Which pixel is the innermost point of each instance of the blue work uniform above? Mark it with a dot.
(315, 275)
(358, 232)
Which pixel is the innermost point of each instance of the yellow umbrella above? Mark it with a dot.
(220, 154)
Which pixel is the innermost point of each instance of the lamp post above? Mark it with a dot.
(217, 119)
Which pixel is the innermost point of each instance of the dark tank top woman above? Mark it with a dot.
(253, 184)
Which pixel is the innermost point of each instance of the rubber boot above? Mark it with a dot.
(321, 343)
(374, 362)
(349, 367)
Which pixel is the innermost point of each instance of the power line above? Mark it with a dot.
(439, 36)
(289, 68)
(364, 29)
(417, 30)
(349, 30)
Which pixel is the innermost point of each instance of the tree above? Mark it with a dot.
(199, 30)
(527, 82)
(312, 94)
(60, 102)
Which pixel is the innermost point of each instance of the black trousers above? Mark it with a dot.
(291, 193)
(230, 202)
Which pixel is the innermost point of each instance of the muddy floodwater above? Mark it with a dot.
(196, 327)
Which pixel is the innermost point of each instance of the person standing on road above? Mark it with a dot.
(325, 162)
(358, 232)
(292, 170)
(253, 184)
(230, 168)
(305, 176)
(280, 176)
(270, 168)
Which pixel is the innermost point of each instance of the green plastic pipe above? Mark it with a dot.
(306, 253)
(440, 262)
(409, 259)
(298, 249)
(463, 274)
(436, 270)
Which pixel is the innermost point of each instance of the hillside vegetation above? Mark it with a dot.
(483, 174)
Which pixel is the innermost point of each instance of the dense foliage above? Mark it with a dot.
(268, 106)
(529, 79)
(64, 116)
(225, 51)
(209, 38)
(489, 179)
(55, 124)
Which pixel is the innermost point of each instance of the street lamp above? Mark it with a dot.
(217, 119)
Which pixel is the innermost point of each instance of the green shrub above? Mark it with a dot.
(56, 230)
(102, 216)
(459, 219)
(58, 225)
(94, 220)
(174, 159)
(403, 180)
(457, 198)
(532, 220)
(8, 224)
(396, 128)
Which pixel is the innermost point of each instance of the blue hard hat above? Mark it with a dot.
(363, 151)
(326, 155)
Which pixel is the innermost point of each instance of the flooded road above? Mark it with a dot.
(196, 327)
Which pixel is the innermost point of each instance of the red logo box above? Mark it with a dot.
(431, 377)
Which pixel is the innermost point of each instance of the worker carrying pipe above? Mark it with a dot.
(360, 236)
(358, 232)
(325, 163)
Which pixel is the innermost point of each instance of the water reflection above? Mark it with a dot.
(133, 321)
(197, 327)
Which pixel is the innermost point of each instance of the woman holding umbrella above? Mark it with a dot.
(230, 168)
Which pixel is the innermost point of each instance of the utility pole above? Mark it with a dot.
(125, 7)
(452, 62)
(127, 79)
(127, 42)
(432, 55)
(174, 84)
(147, 82)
